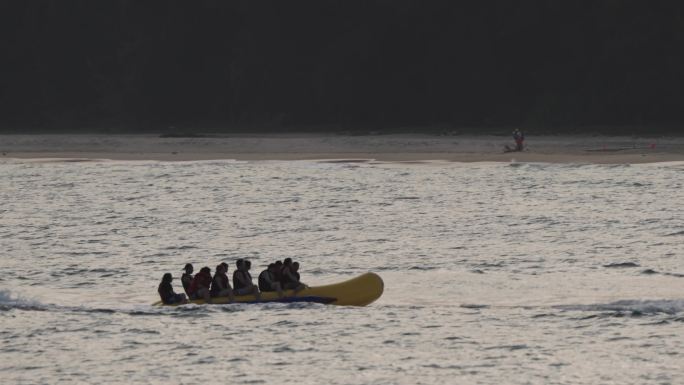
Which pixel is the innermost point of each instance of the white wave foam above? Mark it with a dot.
(634, 306)
(9, 301)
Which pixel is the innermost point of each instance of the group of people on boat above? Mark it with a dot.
(277, 277)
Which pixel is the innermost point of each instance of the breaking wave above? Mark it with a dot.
(636, 307)
(10, 301)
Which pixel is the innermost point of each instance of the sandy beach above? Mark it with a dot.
(332, 147)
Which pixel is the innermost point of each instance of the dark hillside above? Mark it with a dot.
(286, 65)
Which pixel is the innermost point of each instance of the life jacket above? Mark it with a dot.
(200, 280)
(237, 284)
(219, 283)
(266, 279)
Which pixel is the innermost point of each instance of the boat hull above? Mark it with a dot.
(359, 291)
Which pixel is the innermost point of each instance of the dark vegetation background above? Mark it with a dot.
(273, 65)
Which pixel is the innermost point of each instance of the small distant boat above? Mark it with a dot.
(359, 291)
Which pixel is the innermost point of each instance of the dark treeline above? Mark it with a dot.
(137, 65)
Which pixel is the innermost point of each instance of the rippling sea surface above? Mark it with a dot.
(494, 273)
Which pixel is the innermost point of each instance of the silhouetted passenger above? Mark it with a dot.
(165, 290)
(220, 285)
(236, 272)
(285, 271)
(225, 267)
(268, 281)
(199, 287)
(278, 271)
(186, 278)
(291, 278)
(242, 280)
(295, 271)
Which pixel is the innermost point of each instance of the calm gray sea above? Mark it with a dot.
(494, 273)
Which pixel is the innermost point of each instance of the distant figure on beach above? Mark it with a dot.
(220, 285)
(199, 287)
(242, 280)
(186, 278)
(168, 296)
(268, 280)
(519, 139)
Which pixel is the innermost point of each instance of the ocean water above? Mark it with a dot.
(494, 273)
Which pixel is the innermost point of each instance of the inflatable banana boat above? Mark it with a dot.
(359, 291)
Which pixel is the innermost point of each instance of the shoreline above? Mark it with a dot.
(349, 148)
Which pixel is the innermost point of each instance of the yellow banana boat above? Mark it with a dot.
(359, 291)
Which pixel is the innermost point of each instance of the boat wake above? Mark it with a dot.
(633, 307)
(9, 301)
